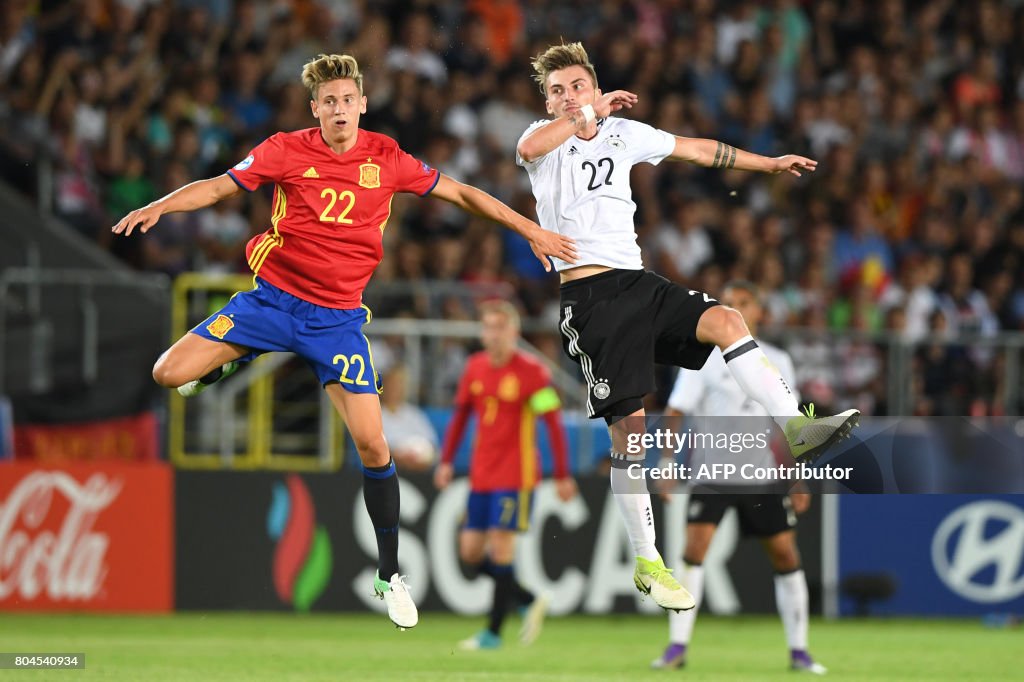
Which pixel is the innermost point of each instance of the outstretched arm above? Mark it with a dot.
(715, 154)
(481, 203)
(192, 196)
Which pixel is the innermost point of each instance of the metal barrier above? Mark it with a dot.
(427, 298)
(197, 441)
(868, 370)
(194, 296)
(273, 416)
(994, 359)
(86, 283)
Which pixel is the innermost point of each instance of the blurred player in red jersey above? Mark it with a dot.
(507, 389)
(333, 186)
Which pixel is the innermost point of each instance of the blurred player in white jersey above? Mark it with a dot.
(617, 319)
(712, 394)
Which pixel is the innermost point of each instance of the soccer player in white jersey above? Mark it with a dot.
(617, 319)
(712, 393)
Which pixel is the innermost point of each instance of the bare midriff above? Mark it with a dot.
(581, 272)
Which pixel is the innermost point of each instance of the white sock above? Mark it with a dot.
(791, 600)
(680, 625)
(634, 503)
(760, 379)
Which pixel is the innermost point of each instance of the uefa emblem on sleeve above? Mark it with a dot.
(245, 163)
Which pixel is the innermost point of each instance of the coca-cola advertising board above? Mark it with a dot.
(86, 537)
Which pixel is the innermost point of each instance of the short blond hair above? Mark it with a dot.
(330, 67)
(501, 307)
(558, 57)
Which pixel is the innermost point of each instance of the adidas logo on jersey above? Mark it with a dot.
(311, 173)
(573, 150)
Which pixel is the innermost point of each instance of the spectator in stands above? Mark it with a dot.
(170, 250)
(684, 245)
(223, 233)
(410, 435)
(416, 54)
(916, 111)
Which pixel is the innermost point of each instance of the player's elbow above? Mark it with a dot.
(527, 152)
(222, 187)
(697, 157)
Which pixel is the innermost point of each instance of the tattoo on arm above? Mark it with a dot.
(725, 156)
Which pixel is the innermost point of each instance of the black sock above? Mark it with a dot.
(212, 377)
(380, 494)
(504, 582)
(474, 571)
(521, 595)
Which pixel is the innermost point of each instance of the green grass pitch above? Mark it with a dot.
(240, 646)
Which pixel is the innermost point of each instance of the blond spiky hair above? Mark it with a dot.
(559, 57)
(500, 307)
(330, 67)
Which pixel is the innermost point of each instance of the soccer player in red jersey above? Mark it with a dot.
(507, 389)
(333, 186)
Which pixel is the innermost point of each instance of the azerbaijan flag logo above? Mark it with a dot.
(302, 559)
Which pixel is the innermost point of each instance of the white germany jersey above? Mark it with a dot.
(582, 189)
(713, 392)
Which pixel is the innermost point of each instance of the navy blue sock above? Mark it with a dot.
(521, 595)
(380, 494)
(504, 587)
(518, 594)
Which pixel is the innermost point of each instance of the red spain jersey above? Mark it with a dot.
(505, 453)
(329, 211)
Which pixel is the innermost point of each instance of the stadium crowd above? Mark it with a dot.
(913, 226)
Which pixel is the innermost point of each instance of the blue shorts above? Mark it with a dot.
(268, 319)
(500, 509)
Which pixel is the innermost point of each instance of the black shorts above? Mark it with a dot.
(760, 515)
(616, 325)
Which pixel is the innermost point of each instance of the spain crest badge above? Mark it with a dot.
(220, 326)
(508, 388)
(369, 176)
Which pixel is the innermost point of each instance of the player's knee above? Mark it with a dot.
(722, 325)
(502, 555)
(785, 560)
(696, 550)
(471, 548)
(731, 325)
(372, 448)
(471, 556)
(166, 374)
